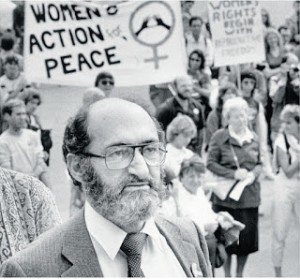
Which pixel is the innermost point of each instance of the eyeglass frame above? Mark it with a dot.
(107, 82)
(134, 146)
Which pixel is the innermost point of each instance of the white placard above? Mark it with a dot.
(70, 42)
(237, 32)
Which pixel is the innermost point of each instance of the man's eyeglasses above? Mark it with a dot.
(121, 156)
(107, 82)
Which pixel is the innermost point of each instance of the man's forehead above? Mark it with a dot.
(120, 121)
(184, 80)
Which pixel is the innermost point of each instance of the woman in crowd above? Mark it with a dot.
(215, 120)
(179, 134)
(257, 121)
(193, 204)
(27, 210)
(274, 52)
(234, 154)
(201, 78)
(286, 197)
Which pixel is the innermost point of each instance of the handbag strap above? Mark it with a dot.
(287, 145)
(234, 156)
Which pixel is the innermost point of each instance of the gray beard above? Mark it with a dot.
(123, 208)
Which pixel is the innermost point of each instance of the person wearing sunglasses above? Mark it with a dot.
(106, 82)
(115, 151)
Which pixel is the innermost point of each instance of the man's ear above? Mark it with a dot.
(75, 167)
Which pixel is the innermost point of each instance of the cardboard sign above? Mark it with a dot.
(237, 32)
(70, 42)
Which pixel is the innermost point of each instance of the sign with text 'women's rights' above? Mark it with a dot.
(70, 42)
(237, 32)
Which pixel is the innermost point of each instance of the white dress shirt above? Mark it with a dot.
(158, 259)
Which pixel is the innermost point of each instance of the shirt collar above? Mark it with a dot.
(110, 236)
(246, 137)
(107, 234)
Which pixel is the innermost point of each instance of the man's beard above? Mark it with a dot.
(182, 96)
(121, 207)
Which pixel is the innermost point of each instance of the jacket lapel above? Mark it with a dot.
(78, 249)
(183, 250)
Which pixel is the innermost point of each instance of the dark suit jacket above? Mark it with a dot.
(68, 251)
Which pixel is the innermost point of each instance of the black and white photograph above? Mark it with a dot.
(148, 138)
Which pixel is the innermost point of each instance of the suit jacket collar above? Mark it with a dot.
(78, 249)
(182, 248)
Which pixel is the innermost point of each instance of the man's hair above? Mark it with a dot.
(12, 59)
(77, 138)
(7, 42)
(31, 94)
(9, 106)
(175, 82)
(194, 18)
(103, 75)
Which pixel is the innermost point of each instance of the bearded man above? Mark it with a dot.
(183, 103)
(114, 150)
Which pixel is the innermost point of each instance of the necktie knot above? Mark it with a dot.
(133, 243)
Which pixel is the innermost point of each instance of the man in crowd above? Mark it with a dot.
(13, 81)
(21, 149)
(182, 102)
(197, 39)
(106, 82)
(114, 150)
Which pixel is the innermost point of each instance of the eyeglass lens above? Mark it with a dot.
(118, 157)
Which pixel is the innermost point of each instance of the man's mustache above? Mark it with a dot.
(133, 179)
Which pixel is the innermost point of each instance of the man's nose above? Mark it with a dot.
(138, 166)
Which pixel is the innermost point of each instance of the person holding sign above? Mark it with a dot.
(234, 154)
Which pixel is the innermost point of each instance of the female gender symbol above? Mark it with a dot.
(152, 21)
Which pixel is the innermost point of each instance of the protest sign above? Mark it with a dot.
(237, 32)
(70, 42)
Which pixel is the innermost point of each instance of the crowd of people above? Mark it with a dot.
(178, 188)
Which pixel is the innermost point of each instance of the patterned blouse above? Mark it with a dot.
(27, 209)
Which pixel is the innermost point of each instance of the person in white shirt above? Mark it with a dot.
(191, 201)
(21, 149)
(179, 134)
(13, 81)
(114, 149)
